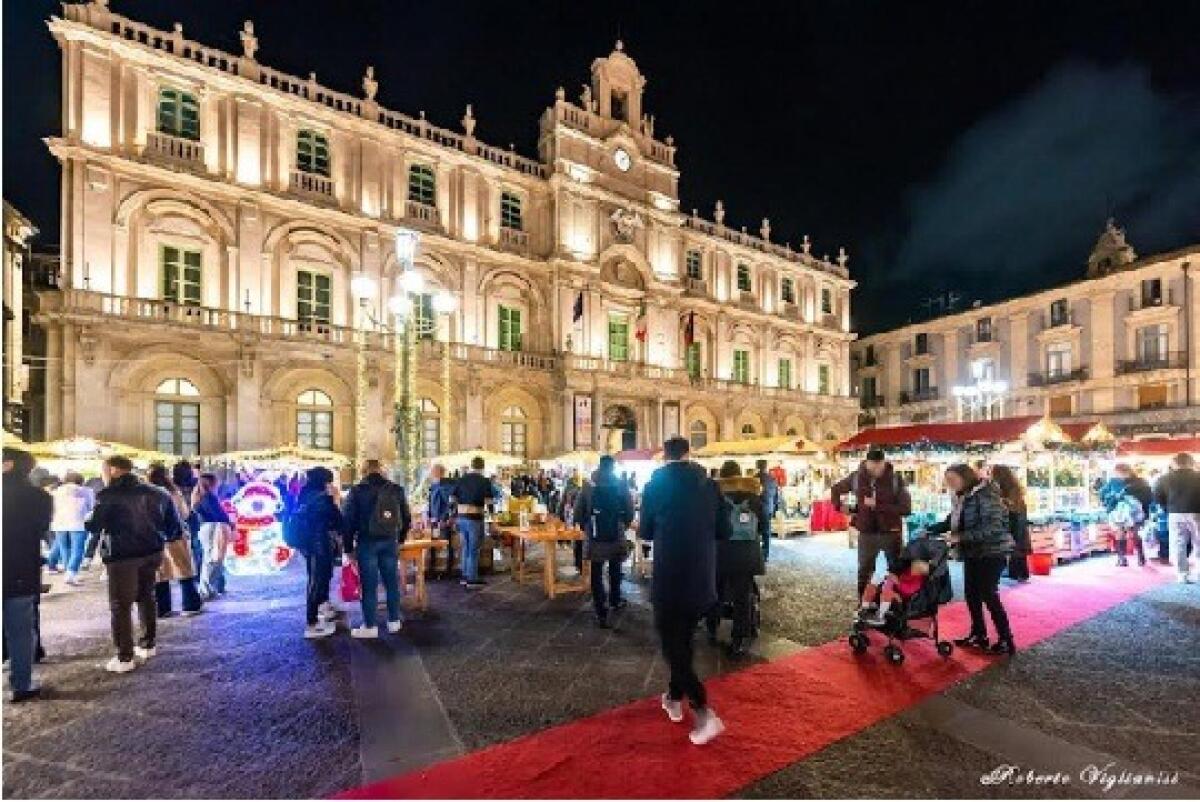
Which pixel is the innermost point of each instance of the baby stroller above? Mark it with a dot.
(725, 606)
(923, 605)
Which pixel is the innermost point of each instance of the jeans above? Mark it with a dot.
(20, 640)
(319, 564)
(213, 538)
(1184, 528)
(377, 559)
(188, 590)
(981, 587)
(472, 539)
(68, 547)
(869, 546)
(675, 630)
(132, 582)
(614, 585)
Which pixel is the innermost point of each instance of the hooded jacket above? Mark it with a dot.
(684, 515)
(743, 556)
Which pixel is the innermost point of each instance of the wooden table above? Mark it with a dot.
(415, 553)
(549, 535)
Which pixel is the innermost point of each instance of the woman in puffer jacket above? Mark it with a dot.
(978, 525)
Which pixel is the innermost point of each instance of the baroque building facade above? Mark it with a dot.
(216, 213)
(1116, 346)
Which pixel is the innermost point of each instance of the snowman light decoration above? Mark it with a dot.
(258, 546)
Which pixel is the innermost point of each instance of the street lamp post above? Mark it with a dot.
(401, 305)
(444, 303)
(362, 287)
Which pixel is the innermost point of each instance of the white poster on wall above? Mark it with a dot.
(670, 421)
(583, 422)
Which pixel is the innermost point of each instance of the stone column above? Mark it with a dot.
(1105, 343)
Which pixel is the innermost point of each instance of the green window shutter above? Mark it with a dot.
(511, 215)
(180, 273)
(312, 153)
(785, 374)
(510, 329)
(823, 379)
(422, 186)
(178, 114)
(692, 357)
(618, 338)
(695, 269)
(423, 309)
(169, 273)
(741, 366)
(191, 277)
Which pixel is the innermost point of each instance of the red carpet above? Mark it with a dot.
(775, 713)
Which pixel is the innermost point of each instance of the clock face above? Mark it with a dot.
(623, 159)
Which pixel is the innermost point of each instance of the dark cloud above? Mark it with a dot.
(1023, 193)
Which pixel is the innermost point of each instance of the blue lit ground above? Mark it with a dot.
(238, 705)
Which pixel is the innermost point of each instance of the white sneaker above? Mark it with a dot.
(1183, 579)
(708, 726)
(72, 578)
(144, 654)
(119, 666)
(395, 626)
(674, 708)
(365, 632)
(327, 612)
(319, 630)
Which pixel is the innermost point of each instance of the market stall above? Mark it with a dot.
(86, 455)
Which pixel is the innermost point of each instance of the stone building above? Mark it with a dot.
(1115, 346)
(17, 233)
(216, 213)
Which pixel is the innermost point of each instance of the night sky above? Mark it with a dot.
(974, 147)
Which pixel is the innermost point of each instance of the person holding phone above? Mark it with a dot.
(881, 503)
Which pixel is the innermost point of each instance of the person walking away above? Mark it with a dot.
(178, 563)
(882, 504)
(978, 526)
(1127, 498)
(566, 513)
(312, 529)
(1179, 494)
(471, 494)
(770, 501)
(439, 513)
(604, 510)
(133, 520)
(215, 533)
(1013, 496)
(684, 515)
(375, 521)
(72, 505)
(27, 514)
(740, 558)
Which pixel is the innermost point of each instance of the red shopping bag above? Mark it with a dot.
(351, 583)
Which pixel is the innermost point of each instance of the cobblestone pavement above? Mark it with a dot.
(238, 705)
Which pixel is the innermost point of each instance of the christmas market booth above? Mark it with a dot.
(1058, 465)
(86, 455)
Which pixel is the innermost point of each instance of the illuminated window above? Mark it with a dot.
(312, 152)
(694, 264)
(618, 338)
(431, 428)
(510, 328)
(510, 212)
(178, 114)
(179, 275)
(314, 420)
(312, 296)
(422, 186)
(743, 278)
(176, 417)
(698, 434)
(513, 431)
(741, 366)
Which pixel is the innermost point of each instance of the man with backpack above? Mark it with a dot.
(375, 521)
(310, 529)
(604, 509)
(740, 558)
(882, 502)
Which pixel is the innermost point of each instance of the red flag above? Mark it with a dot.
(689, 331)
(639, 329)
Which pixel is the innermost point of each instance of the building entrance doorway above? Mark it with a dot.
(620, 428)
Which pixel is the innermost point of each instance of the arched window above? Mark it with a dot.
(314, 420)
(177, 417)
(748, 430)
(698, 434)
(431, 428)
(513, 431)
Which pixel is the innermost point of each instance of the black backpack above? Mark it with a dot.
(608, 513)
(298, 529)
(385, 518)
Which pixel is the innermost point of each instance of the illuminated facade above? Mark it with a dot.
(1116, 346)
(215, 213)
(17, 233)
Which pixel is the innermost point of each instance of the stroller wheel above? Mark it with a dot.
(858, 642)
(893, 654)
(945, 648)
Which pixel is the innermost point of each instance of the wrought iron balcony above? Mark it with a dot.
(1050, 377)
(872, 401)
(919, 395)
(1167, 361)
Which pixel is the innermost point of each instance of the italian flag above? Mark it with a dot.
(639, 325)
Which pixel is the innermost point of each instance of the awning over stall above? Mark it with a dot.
(777, 446)
(1001, 430)
(1159, 447)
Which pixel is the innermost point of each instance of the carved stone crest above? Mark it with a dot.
(625, 224)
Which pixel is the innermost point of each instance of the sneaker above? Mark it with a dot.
(1183, 579)
(327, 612)
(475, 584)
(602, 622)
(395, 626)
(119, 666)
(365, 632)
(708, 726)
(192, 613)
(319, 630)
(72, 579)
(144, 654)
(674, 708)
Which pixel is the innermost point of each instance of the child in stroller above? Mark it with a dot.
(913, 589)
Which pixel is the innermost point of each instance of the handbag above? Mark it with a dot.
(351, 584)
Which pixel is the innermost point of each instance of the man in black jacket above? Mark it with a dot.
(27, 512)
(770, 500)
(133, 520)
(684, 515)
(603, 510)
(1178, 492)
(375, 521)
